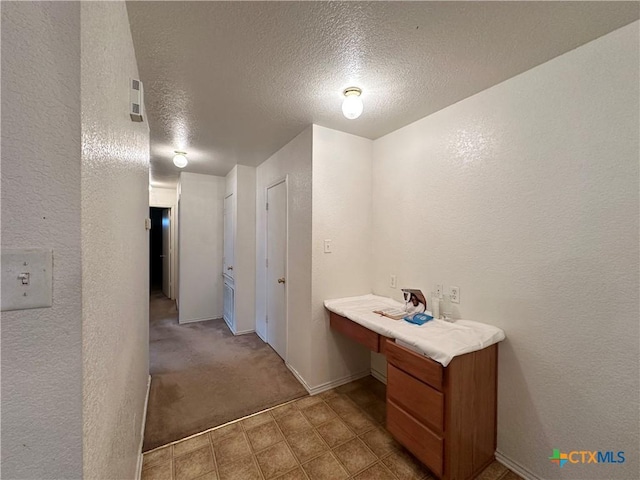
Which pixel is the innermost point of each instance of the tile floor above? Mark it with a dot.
(335, 435)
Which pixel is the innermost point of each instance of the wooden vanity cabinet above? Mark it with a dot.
(445, 416)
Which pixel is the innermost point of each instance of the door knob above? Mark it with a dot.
(229, 268)
(281, 280)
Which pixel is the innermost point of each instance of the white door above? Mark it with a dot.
(166, 256)
(276, 268)
(228, 237)
(228, 306)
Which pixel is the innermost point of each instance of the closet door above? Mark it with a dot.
(229, 235)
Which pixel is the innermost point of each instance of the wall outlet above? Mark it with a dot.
(439, 290)
(455, 294)
(393, 282)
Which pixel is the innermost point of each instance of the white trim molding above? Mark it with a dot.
(515, 466)
(328, 385)
(144, 422)
(379, 376)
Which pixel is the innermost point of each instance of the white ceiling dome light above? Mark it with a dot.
(352, 105)
(180, 159)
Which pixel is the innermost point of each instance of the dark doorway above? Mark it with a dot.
(156, 256)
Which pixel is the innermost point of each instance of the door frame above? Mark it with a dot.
(172, 247)
(285, 180)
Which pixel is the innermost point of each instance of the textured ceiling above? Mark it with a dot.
(232, 82)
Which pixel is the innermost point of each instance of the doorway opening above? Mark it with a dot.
(160, 251)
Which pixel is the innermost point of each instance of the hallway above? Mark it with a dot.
(203, 376)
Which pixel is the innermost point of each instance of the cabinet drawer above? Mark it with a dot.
(355, 331)
(418, 439)
(418, 399)
(419, 366)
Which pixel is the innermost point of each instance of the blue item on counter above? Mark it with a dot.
(418, 318)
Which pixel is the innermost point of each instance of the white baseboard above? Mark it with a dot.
(244, 332)
(144, 422)
(516, 467)
(203, 319)
(379, 376)
(264, 339)
(328, 385)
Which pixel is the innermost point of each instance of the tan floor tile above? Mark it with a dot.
(354, 455)
(276, 460)
(305, 402)
(292, 422)
(219, 433)
(296, 474)
(493, 472)
(306, 444)
(157, 456)
(190, 444)
(256, 420)
(264, 436)
(376, 410)
(242, 469)
(348, 387)
(318, 414)
(379, 389)
(208, 476)
(342, 405)
(509, 475)
(325, 467)
(362, 396)
(367, 382)
(232, 448)
(283, 410)
(159, 471)
(328, 394)
(193, 464)
(359, 422)
(377, 471)
(335, 432)
(404, 466)
(380, 441)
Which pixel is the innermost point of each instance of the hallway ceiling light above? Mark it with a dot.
(180, 159)
(352, 105)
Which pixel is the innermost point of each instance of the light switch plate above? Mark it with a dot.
(21, 291)
(327, 246)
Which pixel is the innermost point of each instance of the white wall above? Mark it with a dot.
(341, 213)
(162, 197)
(200, 247)
(526, 197)
(42, 348)
(294, 160)
(115, 247)
(245, 247)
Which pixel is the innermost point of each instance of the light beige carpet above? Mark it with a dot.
(203, 376)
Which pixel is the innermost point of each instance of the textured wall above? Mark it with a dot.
(526, 197)
(41, 348)
(115, 202)
(341, 213)
(200, 247)
(294, 160)
(245, 238)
